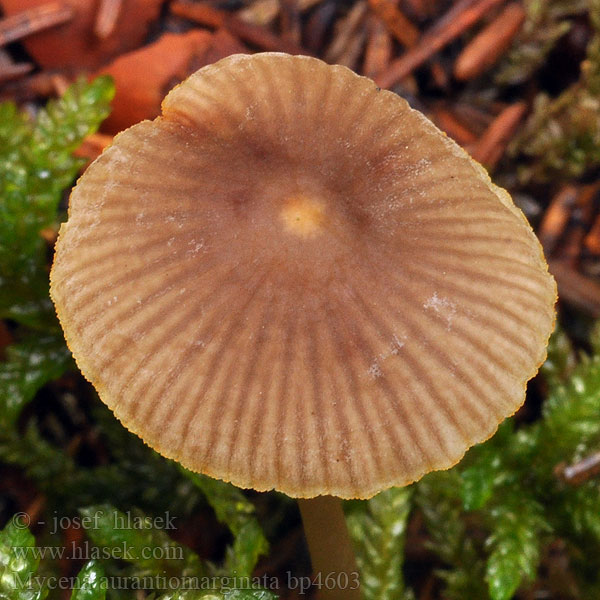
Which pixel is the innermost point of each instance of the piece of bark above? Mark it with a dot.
(209, 16)
(74, 46)
(33, 20)
(345, 29)
(491, 146)
(581, 471)
(448, 122)
(107, 17)
(318, 25)
(490, 44)
(378, 51)
(396, 21)
(143, 77)
(556, 218)
(10, 72)
(264, 12)
(575, 288)
(439, 36)
(289, 21)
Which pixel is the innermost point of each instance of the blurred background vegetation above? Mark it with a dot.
(518, 86)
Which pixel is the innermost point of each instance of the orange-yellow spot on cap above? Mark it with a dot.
(303, 216)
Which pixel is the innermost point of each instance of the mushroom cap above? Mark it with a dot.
(292, 280)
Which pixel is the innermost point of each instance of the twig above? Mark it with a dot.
(592, 239)
(581, 471)
(318, 23)
(345, 30)
(378, 51)
(458, 19)
(289, 20)
(490, 44)
(491, 146)
(581, 221)
(579, 290)
(11, 71)
(33, 20)
(209, 16)
(107, 17)
(396, 21)
(447, 121)
(557, 217)
(263, 12)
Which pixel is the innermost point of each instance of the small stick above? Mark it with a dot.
(436, 38)
(107, 17)
(209, 16)
(440, 77)
(491, 146)
(349, 57)
(478, 119)
(318, 24)
(557, 217)
(289, 19)
(264, 12)
(345, 29)
(93, 146)
(378, 51)
(445, 119)
(592, 239)
(581, 471)
(396, 21)
(490, 44)
(33, 20)
(581, 291)
(12, 71)
(581, 220)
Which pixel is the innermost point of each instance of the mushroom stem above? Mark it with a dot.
(330, 547)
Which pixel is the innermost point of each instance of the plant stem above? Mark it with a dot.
(330, 547)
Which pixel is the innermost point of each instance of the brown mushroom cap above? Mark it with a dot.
(292, 280)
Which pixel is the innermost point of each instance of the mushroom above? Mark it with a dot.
(291, 280)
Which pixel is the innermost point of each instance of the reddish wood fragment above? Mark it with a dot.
(396, 21)
(33, 20)
(477, 118)
(107, 17)
(93, 146)
(207, 15)
(447, 121)
(143, 77)
(423, 9)
(352, 52)
(557, 217)
(74, 46)
(436, 38)
(10, 72)
(224, 44)
(581, 221)
(491, 146)
(490, 44)
(289, 21)
(439, 75)
(592, 239)
(263, 12)
(581, 471)
(378, 50)
(575, 288)
(345, 30)
(318, 24)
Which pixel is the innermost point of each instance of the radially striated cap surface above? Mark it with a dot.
(292, 280)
